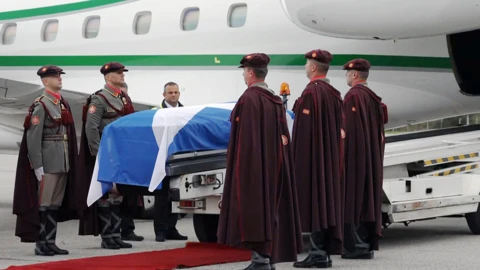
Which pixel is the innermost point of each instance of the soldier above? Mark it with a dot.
(128, 225)
(365, 116)
(259, 209)
(102, 108)
(46, 180)
(317, 146)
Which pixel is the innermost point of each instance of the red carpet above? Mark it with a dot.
(192, 255)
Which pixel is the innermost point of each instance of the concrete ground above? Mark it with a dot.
(445, 243)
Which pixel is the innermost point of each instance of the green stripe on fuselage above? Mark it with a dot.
(49, 10)
(218, 60)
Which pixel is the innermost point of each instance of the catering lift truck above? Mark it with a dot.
(426, 175)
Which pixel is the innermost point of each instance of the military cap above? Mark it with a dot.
(255, 60)
(112, 67)
(357, 64)
(46, 71)
(319, 55)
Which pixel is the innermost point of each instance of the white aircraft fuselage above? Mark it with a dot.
(412, 67)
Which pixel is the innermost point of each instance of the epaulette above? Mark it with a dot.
(26, 123)
(89, 99)
(87, 104)
(95, 93)
(38, 99)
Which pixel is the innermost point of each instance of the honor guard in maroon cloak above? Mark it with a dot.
(102, 108)
(365, 116)
(259, 209)
(46, 180)
(317, 147)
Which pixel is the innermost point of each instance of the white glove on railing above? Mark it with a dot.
(39, 173)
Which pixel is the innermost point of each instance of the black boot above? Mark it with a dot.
(358, 254)
(51, 229)
(315, 261)
(160, 236)
(318, 256)
(41, 247)
(258, 266)
(132, 237)
(116, 224)
(259, 262)
(357, 244)
(104, 215)
(175, 235)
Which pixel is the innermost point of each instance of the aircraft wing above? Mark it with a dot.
(17, 96)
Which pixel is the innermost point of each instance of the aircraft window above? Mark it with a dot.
(142, 22)
(9, 32)
(91, 27)
(190, 19)
(237, 15)
(49, 30)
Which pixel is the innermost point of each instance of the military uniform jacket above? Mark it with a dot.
(47, 137)
(102, 108)
(106, 106)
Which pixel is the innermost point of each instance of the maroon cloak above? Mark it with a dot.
(88, 224)
(365, 116)
(317, 148)
(259, 208)
(25, 194)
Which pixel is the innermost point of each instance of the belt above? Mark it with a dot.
(57, 137)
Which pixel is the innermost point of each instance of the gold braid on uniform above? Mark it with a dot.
(27, 122)
(67, 118)
(127, 104)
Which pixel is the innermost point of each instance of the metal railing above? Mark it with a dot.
(448, 122)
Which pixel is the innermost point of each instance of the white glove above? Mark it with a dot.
(39, 173)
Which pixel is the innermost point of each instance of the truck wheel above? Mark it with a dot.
(473, 221)
(205, 227)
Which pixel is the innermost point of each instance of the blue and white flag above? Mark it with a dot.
(134, 149)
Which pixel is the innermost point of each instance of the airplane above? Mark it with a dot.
(422, 65)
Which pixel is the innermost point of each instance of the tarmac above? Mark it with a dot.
(444, 243)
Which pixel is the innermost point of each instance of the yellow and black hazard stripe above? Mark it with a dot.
(449, 159)
(457, 170)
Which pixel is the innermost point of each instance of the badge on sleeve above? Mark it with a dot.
(92, 109)
(35, 120)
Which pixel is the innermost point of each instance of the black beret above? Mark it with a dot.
(46, 71)
(112, 67)
(255, 60)
(357, 64)
(320, 56)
